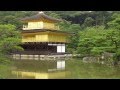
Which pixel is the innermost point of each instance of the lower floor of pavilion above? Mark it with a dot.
(43, 48)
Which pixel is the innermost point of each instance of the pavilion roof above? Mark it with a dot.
(45, 30)
(41, 16)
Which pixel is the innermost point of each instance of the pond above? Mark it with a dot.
(62, 69)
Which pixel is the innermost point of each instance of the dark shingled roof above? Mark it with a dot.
(40, 16)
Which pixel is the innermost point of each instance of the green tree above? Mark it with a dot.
(12, 20)
(9, 39)
(88, 22)
(114, 35)
(95, 41)
(55, 15)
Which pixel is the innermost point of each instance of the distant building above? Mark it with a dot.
(41, 35)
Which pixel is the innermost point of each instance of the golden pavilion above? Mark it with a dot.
(42, 35)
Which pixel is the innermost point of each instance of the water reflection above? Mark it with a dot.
(41, 70)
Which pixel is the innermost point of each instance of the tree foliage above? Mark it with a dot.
(95, 41)
(88, 22)
(9, 39)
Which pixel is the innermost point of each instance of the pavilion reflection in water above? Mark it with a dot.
(41, 70)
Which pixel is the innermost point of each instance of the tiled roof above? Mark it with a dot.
(41, 16)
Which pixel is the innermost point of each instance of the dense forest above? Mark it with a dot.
(95, 32)
(83, 18)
